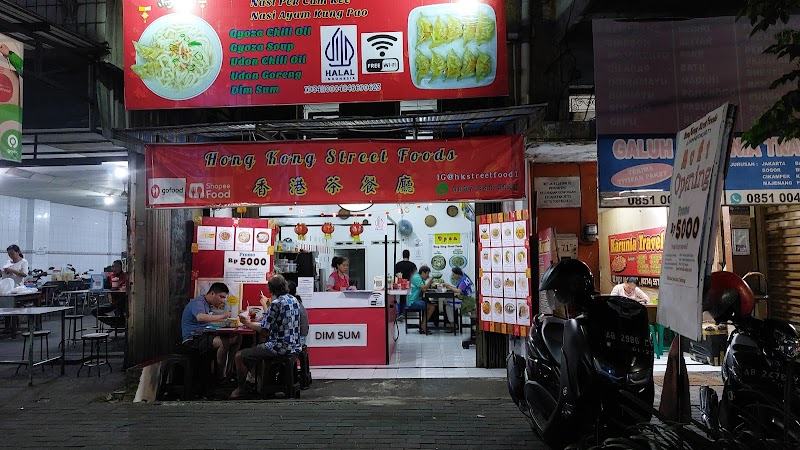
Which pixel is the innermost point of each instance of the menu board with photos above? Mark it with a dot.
(237, 252)
(505, 292)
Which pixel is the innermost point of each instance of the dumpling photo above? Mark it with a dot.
(423, 66)
(439, 33)
(468, 65)
(484, 29)
(424, 30)
(453, 65)
(483, 66)
(438, 66)
(470, 30)
(454, 29)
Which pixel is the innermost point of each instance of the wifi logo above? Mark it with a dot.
(381, 52)
(382, 42)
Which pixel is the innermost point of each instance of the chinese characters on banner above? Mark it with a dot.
(505, 273)
(246, 270)
(700, 161)
(637, 254)
(11, 67)
(324, 172)
(199, 53)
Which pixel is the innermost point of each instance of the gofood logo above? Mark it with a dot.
(167, 191)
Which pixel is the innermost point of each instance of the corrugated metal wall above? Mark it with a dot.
(783, 261)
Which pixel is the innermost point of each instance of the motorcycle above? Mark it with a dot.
(761, 395)
(569, 383)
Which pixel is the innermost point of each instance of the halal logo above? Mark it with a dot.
(340, 51)
(155, 191)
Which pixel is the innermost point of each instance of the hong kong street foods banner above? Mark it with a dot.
(214, 53)
(637, 254)
(335, 171)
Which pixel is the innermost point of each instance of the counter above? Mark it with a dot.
(350, 328)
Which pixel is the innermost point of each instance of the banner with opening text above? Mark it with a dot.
(210, 53)
(335, 171)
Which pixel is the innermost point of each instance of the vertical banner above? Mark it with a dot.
(548, 255)
(702, 155)
(11, 62)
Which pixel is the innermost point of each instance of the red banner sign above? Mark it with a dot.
(637, 254)
(209, 53)
(329, 172)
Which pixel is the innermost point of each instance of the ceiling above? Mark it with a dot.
(68, 166)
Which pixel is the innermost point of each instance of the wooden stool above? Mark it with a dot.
(421, 315)
(44, 346)
(94, 340)
(279, 376)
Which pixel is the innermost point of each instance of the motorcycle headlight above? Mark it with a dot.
(605, 368)
(640, 376)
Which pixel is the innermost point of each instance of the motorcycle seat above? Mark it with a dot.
(552, 331)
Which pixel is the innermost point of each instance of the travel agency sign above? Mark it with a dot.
(336, 171)
(210, 53)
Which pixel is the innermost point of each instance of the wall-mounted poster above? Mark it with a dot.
(505, 284)
(637, 254)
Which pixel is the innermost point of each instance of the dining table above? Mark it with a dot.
(33, 314)
(443, 298)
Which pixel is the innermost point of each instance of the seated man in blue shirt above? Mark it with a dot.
(197, 315)
(281, 321)
(420, 283)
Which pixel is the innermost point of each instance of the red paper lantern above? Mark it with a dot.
(355, 230)
(301, 229)
(327, 228)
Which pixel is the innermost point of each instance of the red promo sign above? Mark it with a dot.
(208, 53)
(637, 254)
(338, 171)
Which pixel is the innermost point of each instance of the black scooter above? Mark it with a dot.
(761, 393)
(569, 382)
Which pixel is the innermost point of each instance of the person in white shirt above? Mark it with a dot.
(630, 289)
(16, 267)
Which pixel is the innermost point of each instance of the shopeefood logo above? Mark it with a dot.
(166, 191)
(212, 191)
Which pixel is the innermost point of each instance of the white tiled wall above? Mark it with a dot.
(54, 235)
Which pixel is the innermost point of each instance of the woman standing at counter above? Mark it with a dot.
(17, 267)
(339, 280)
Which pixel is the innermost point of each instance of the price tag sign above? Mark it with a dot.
(697, 177)
(247, 267)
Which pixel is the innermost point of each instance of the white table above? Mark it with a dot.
(87, 293)
(33, 313)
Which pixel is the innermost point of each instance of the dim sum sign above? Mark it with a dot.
(209, 53)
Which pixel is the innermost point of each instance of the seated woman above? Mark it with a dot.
(462, 286)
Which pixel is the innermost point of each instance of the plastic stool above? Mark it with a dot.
(656, 337)
(73, 330)
(177, 367)
(94, 340)
(279, 376)
(44, 341)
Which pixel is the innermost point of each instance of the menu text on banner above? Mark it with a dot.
(702, 155)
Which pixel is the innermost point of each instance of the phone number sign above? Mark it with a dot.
(247, 267)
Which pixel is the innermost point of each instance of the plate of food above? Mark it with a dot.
(452, 47)
(509, 256)
(244, 237)
(520, 232)
(178, 56)
(496, 257)
(438, 262)
(497, 282)
(486, 282)
(521, 256)
(486, 307)
(498, 307)
(262, 237)
(510, 308)
(495, 233)
(458, 261)
(225, 235)
(484, 230)
(523, 312)
(619, 263)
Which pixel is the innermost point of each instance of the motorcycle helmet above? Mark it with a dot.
(570, 279)
(729, 297)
